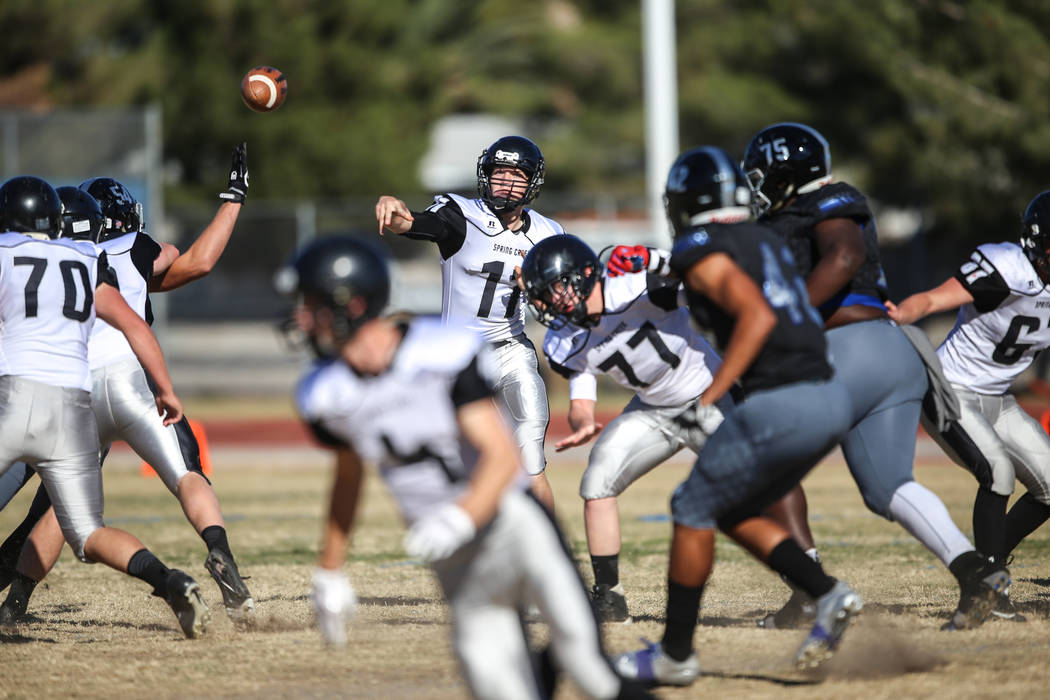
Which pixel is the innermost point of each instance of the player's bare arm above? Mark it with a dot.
(111, 307)
(498, 460)
(721, 280)
(164, 259)
(581, 420)
(393, 215)
(342, 507)
(841, 246)
(202, 255)
(947, 296)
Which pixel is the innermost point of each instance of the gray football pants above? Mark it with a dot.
(998, 442)
(522, 399)
(638, 440)
(763, 448)
(520, 559)
(53, 429)
(886, 381)
(126, 410)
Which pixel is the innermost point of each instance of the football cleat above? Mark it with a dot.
(798, 612)
(609, 603)
(1005, 609)
(235, 595)
(835, 609)
(978, 595)
(17, 602)
(183, 594)
(652, 666)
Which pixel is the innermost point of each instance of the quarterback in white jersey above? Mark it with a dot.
(631, 327)
(50, 291)
(1003, 322)
(415, 399)
(481, 242)
(121, 392)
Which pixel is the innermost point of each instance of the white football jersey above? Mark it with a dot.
(404, 420)
(996, 336)
(646, 341)
(478, 290)
(131, 257)
(47, 308)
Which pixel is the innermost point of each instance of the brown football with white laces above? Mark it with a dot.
(264, 88)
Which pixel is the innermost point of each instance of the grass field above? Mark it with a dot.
(94, 633)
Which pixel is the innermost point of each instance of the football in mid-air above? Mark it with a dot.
(264, 88)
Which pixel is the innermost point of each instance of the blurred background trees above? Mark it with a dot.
(934, 108)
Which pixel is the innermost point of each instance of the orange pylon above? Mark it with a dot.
(202, 442)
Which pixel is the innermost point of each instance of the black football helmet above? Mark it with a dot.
(346, 278)
(122, 211)
(558, 274)
(1035, 234)
(515, 151)
(30, 205)
(81, 215)
(705, 184)
(785, 160)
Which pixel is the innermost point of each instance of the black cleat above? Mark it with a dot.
(609, 603)
(798, 612)
(1005, 609)
(235, 595)
(183, 594)
(978, 594)
(14, 608)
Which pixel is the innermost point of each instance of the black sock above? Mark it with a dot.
(788, 560)
(1022, 520)
(145, 565)
(683, 605)
(964, 566)
(989, 519)
(215, 537)
(606, 569)
(18, 595)
(12, 546)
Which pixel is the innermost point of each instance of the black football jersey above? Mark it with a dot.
(795, 350)
(796, 221)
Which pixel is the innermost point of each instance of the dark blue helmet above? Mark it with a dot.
(785, 160)
(705, 184)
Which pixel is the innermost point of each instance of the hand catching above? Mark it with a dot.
(237, 191)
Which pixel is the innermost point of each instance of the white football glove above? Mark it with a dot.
(334, 602)
(439, 534)
(708, 418)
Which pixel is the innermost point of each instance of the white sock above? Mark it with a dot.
(921, 513)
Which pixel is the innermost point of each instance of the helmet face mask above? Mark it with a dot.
(705, 185)
(122, 212)
(31, 206)
(783, 161)
(341, 283)
(1035, 234)
(505, 194)
(559, 274)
